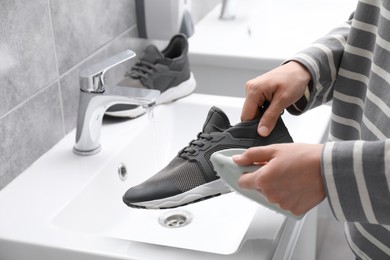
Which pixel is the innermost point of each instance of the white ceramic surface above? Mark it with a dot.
(268, 29)
(67, 206)
(226, 54)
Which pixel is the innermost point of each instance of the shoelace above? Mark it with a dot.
(141, 69)
(194, 144)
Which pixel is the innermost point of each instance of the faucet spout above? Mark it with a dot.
(96, 98)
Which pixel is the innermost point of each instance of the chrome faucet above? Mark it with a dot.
(228, 10)
(96, 97)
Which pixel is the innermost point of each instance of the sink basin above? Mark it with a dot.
(99, 209)
(66, 205)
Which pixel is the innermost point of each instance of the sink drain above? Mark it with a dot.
(122, 172)
(175, 219)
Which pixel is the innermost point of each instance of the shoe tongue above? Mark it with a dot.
(152, 54)
(216, 121)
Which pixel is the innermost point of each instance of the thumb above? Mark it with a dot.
(269, 118)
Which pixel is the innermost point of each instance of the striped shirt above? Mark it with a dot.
(351, 67)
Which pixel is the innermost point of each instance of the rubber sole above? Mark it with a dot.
(203, 192)
(183, 89)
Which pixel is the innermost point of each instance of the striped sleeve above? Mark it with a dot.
(357, 180)
(322, 59)
(350, 65)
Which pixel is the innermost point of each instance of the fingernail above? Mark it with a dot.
(263, 130)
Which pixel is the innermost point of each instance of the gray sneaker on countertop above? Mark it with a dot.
(168, 71)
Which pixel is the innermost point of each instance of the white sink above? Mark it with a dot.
(225, 54)
(268, 29)
(66, 205)
(99, 209)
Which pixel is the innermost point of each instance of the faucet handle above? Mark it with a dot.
(92, 78)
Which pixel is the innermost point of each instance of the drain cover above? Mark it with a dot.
(175, 219)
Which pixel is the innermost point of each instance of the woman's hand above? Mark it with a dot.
(282, 87)
(291, 175)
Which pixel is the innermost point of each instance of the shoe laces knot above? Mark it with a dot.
(141, 69)
(193, 146)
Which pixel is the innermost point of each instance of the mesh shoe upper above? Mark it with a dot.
(190, 176)
(160, 70)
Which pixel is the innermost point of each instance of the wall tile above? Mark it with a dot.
(82, 27)
(44, 45)
(29, 131)
(27, 57)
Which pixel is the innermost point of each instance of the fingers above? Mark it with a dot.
(254, 99)
(281, 86)
(297, 202)
(269, 118)
(259, 154)
(291, 176)
(266, 180)
(251, 180)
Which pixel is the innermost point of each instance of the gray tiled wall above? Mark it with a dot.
(43, 46)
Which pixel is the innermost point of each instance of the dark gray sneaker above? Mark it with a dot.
(190, 176)
(168, 71)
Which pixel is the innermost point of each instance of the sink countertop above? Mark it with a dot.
(265, 31)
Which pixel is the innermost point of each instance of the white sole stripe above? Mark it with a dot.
(203, 191)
